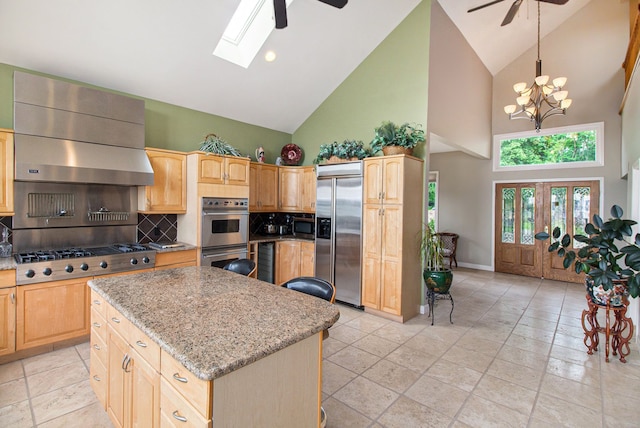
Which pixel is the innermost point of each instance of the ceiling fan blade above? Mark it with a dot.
(335, 3)
(560, 2)
(473, 9)
(511, 13)
(280, 13)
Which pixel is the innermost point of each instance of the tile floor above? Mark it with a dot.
(514, 357)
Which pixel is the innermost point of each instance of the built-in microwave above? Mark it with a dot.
(304, 227)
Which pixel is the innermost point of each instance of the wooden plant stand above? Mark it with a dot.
(619, 334)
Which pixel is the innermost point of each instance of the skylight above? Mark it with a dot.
(251, 24)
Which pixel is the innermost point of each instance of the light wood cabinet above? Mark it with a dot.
(293, 259)
(168, 195)
(216, 169)
(263, 187)
(8, 319)
(6, 177)
(297, 189)
(52, 311)
(99, 357)
(392, 212)
(176, 259)
(133, 398)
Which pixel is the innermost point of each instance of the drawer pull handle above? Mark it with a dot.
(96, 378)
(96, 347)
(141, 344)
(179, 378)
(97, 325)
(178, 417)
(125, 363)
(115, 320)
(97, 302)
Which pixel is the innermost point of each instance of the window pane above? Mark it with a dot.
(581, 204)
(432, 205)
(528, 216)
(559, 209)
(508, 215)
(549, 149)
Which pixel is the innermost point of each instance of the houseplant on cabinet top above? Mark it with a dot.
(341, 152)
(605, 246)
(214, 144)
(436, 276)
(393, 139)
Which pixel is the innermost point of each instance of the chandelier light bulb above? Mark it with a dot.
(542, 80)
(531, 110)
(546, 89)
(559, 82)
(519, 87)
(510, 109)
(522, 100)
(564, 104)
(560, 95)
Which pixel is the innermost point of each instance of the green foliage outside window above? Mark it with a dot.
(549, 149)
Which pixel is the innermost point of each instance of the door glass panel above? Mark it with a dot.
(581, 204)
(528, 216)
(508, 215)
(559, 209)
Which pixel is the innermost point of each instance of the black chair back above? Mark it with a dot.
(241, 266)
(313, 286)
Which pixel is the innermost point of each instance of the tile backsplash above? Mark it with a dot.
(157, 228)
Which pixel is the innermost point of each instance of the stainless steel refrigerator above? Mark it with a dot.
(339, 228)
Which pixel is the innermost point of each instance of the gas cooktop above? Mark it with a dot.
(67, 263)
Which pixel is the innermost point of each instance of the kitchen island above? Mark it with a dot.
(251, 350)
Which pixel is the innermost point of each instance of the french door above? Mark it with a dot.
(524, 209)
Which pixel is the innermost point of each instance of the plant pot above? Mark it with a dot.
(336, 159)
(396, 150)
(614, 297)
(438, 281)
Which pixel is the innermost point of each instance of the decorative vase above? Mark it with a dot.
(613, 297)
(438, 281)
(396, 150)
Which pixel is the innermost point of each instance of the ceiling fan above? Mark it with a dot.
(280, 10)
(513, 9)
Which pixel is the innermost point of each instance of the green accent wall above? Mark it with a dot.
(169, 126)
(390, 84)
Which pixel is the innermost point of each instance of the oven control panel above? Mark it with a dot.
(212, 204)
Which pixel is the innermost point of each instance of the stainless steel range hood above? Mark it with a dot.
(74, 134)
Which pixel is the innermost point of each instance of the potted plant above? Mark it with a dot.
(341, 152)
(605, 247)
(436, 276)
(214, 144)
(393, 139)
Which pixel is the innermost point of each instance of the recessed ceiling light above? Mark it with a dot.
(270, 56)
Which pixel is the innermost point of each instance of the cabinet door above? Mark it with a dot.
(391, 268)
(372, 255)
(118, 400)
(51, 312)
(308, 203)
(290, 189)
(287, 261)
(168, 194)
(211, 169)
(6, 177)
(254, 184)
(268, 185)
(307, 258)
(237, 171)
(392, 182)
(372, 189)
(7, 320)
(144, 393)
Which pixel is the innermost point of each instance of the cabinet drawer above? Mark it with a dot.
(196, 391)
(118, 323)
(175, 257)
(99, 348)
(148, 349)
(98, 324)
(176, 411)
(98, 380)
(99, 304)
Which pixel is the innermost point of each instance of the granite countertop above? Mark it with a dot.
(257, 238)
(214, 321)
(184, 247)
(7, 263)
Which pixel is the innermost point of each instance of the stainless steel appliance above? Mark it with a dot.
(339, 228)
(224, 230)
(304, 227)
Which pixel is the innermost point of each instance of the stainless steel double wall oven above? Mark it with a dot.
(224, 230)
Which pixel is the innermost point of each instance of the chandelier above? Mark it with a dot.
(542, 99)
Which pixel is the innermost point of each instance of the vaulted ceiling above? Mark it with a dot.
(162, 49)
